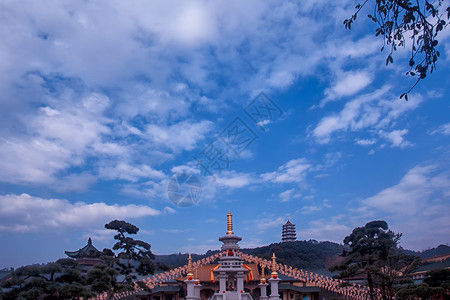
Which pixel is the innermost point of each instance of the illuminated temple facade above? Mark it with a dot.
(232, 279)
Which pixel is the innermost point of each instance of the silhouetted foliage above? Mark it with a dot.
(63, 279)
(135, 256)
(374, 252)
(55, 280)
(435, 286)
(413, 23)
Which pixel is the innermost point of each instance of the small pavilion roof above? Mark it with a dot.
(88, 251)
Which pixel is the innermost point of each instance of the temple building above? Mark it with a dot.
(87, 257)
(232, 279)
(288, 233)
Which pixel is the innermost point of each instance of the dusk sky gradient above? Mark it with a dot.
(102, 102)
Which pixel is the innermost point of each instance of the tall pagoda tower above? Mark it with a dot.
(288, 233)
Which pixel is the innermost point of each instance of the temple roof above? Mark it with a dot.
(88, 251)
(288, 223)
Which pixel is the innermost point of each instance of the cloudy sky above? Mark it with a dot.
(275, 108)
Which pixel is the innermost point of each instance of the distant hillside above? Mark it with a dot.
(437, 251)
(310, 255)
(300, 254)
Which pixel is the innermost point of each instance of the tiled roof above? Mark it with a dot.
(433, 266)
(88, 251)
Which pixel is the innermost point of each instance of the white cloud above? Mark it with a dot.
(325, 230)
(125, 171)
(74, 182)
(416, 206)
(293, 171)
(169, 210)
(347, 84)
(396, 138)
(145, 101)
(232, 179)
(24, 213)
(102, 235)
(309, 209)
(412, 192)
(151, 190)
(269, 222)
(180, 136)
(59, 138)
(443, 129)
(365, 142)
(371, 111)
(194, 24)
(288, 195)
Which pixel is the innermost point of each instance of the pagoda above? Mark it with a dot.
(288, 233)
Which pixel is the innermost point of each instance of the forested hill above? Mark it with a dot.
(438, 251)
(300, 254)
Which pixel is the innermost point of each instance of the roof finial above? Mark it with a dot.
(274, 266)
(89, 241)
(230, 223)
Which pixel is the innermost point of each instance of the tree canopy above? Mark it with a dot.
(63, 279)
(414, 24)
(374, 251)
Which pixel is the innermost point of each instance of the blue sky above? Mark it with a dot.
(103, 102)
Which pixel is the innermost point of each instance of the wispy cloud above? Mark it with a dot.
(347, 84)
(417, 205)
(293, 171)
(365, 142)
(443, 129)
(288, 195)
(396, 137)
(374, 111)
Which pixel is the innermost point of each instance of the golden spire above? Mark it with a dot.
(263, 275)
(196, 275)
(230, 223)
(274, 265)
(189, 274)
